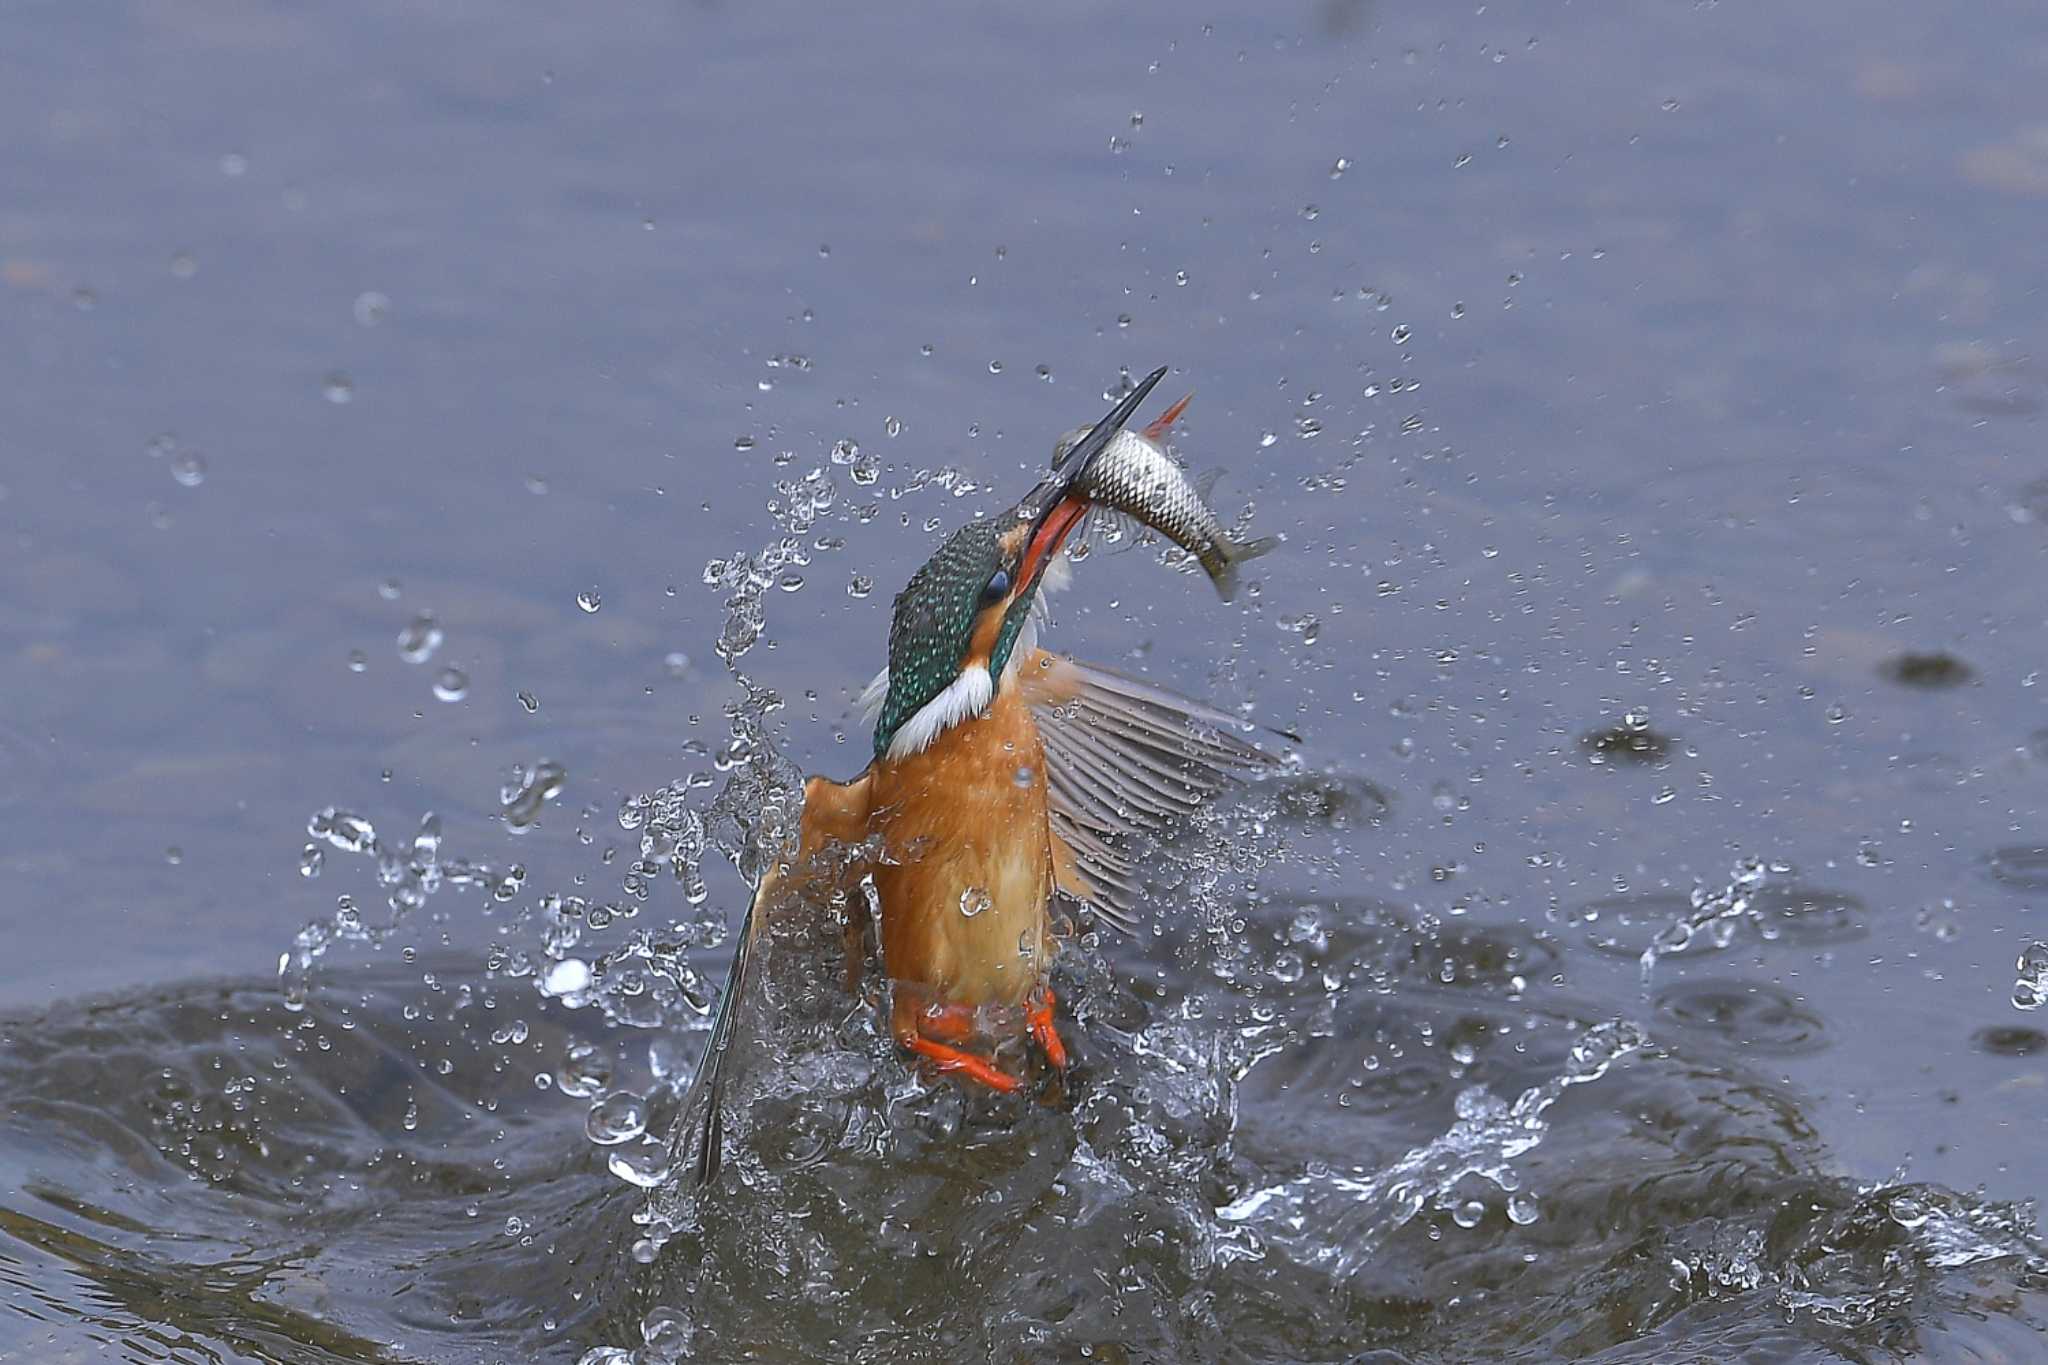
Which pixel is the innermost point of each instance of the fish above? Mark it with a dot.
(1132, 474)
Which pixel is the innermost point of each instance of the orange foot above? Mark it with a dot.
(952, 1059)
(934, 1030)
(1039, 1014)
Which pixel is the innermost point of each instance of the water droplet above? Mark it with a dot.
(371, 308)
(1469, 1214)
(174, 855)
(973, 901)
(893, 425)
(584, 1071)
(1137, 118)
(2030, 991)
(451, 684)
(1837, 713)
(995, 367)
(590, 601)
(568, 978)
(1339, 166)
(418, 641)
(642, 1167)
(389, 589)
(676, 663)
(528, 701)
(529, 790)
(233, 164)
(1522, 1210)
(1463, 160)
(311, 859)
(619, 1117)
(358, 661)
(1044, 372)
(1311, 212)
(337, 388)
(1670, 106)
(184, 265)
(189, 469)
(860, 585)
(742, 443)
(1401, 333)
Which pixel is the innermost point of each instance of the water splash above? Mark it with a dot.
(1715, 917)
(2030, 989)
(409, 871)
(1336, 1223)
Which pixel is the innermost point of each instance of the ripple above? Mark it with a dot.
(2010, 1040)
(1809, 914)
(1755, 1016)
(1625, 743)
(1333, 801)
(1930, 671)
(2019, 866)
(1623, 926)
(1485, 955)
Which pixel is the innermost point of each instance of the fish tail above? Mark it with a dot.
(1229, 555)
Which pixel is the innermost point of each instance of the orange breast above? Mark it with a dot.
(964, 895)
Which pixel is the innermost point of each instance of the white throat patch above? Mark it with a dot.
(965, 697)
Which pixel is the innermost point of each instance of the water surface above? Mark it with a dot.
(1652, 402)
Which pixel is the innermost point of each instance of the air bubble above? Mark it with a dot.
(590, 601)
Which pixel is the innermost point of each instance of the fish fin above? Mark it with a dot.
(1235, 554)
(1163, 423)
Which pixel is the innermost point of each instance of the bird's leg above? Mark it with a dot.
(1038, 1013)
(934, 1030)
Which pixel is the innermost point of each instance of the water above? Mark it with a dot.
(1637, 973)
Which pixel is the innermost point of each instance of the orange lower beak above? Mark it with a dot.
(1051, 533)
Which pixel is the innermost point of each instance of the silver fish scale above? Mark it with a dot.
(1135, 477)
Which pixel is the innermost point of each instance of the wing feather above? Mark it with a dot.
(1126, 759)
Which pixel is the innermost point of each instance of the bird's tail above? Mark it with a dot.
(704, 1106)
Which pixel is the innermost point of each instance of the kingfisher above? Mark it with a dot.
(1005, 779)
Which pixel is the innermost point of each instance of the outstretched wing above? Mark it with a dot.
(1126, 759)
(835, 813)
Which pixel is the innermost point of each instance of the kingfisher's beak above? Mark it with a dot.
(1057, 505)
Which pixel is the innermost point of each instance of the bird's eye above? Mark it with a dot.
(998, 586)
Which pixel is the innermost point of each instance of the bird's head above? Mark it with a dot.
(957, 624)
